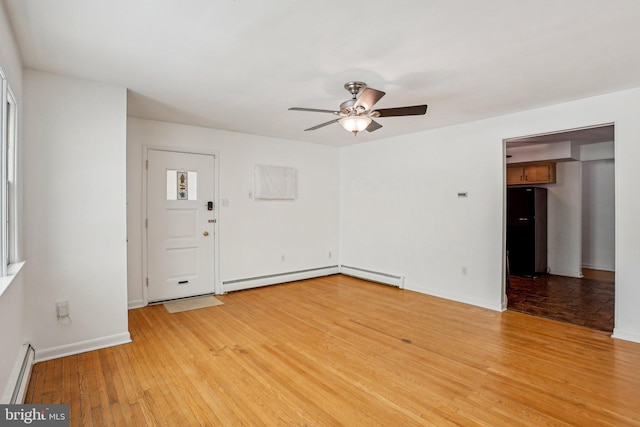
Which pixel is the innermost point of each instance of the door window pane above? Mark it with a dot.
(182, 185)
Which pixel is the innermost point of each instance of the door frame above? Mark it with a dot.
(217, 285)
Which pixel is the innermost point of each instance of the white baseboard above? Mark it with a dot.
(598, 267)
(274, 279)
(82, 346)
(374, 276)
(567, 273)
(19, 380)
(627, 336)
(137, 303)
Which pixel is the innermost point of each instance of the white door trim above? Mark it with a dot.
(216, 244)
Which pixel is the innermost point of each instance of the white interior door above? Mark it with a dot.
(180, 225)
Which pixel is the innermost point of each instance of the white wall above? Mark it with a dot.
(564, 218)
(401, 214)
(598, 242)
(400, 211)
(253, 234)
(12, 321)
(599, 151)
(10, 56)
(75, 212)
(540, 152)
(12, 333)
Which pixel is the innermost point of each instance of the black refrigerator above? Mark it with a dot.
(527, 231)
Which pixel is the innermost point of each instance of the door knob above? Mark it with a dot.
(205, 234)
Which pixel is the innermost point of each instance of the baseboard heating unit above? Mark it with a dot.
(20, 376)
(274, 279)
(373, 276)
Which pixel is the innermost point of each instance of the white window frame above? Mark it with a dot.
(8, 175)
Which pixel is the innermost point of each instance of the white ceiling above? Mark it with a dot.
(239, 65)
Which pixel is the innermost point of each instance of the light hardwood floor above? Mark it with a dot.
(590, 273)
(341, 351)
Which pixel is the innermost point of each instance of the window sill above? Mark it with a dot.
(12, 271)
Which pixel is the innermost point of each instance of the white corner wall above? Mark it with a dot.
(564, 219)
(598, 243)
(75, 213)
(12, 333)
(400, 211)
(252, 234)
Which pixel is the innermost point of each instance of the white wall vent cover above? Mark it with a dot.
(274, 183)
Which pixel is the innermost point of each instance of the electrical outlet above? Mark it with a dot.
(330, 254)
(282, 257)
(62, 308)
(464, 270)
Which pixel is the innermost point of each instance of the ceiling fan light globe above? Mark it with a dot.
(355, 124)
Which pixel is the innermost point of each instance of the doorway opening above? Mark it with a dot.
(578, 284)
(180, 223)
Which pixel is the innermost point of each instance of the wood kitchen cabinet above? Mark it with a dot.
(531, 173)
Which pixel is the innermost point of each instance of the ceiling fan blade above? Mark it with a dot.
(373, 126)
(322, 125)
(416, 110)
(314, 110)
(368, 98)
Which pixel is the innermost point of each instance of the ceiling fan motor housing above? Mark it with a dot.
(347, 108)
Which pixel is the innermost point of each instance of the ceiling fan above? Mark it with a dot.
(357, 114)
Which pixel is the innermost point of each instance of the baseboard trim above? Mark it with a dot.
(138, 303)
(596, 267)
(576, 274)
(19, 379)
(82, 347)
(275, 279)
(373, 276)
(627, 336)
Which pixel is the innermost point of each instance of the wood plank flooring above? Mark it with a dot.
(586, 302)
(604, 275)
(341, 351)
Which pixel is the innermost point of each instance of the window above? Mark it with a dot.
(8, 193)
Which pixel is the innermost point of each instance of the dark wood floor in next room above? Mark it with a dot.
(588, 301)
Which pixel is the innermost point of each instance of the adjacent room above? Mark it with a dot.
(562, 264)
(281, 213)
